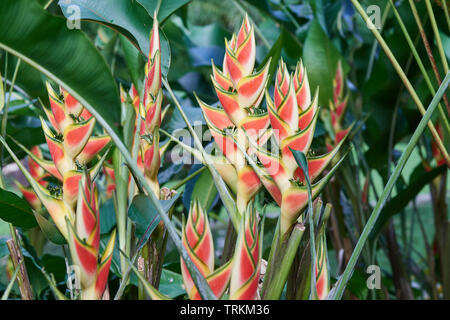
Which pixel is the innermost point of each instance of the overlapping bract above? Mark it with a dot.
(148, 116)
(76, 211)
(322, 274)
(338, 107)
(72, 146)
(84, 242)
(240, 91)
(150, 111)
(245, 274)
(293, 117)
(198, 242)
(242, 271)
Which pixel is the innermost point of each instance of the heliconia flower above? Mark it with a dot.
(293, 117)
(84, 242)
(240, 91)
(322, 274)
(149, 113)
(198, 242)
(338, 107)
(71, 146)
(245, 273)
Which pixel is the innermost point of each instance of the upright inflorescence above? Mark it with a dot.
(240, 91)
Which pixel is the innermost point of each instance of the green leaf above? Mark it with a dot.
(204, 190)
(321, 57)
(107, 216)
(357, 284)
(134, 61)
(127, 17)
(301, 160)
(403, 198)
(10, 284)
(143, 213)
(66, 56)
(166, 9)
(171, 284)
(16, 210)
(49, 230)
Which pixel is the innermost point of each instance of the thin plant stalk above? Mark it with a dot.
(419, 63)
(339, 288)
(5, 117)
(427, 48)
(284, 262)
(373, 52)
(189, 177)
(10, 284)
(403, 77)
(447, 17)
(436, 35)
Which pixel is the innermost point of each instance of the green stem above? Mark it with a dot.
(5, 118)
(189, 177)
(339, 288)
(375, 43)
(48, 4)
(403, 77)
(447, 17)
(270, 263)
(10, 284)
(121, 195)
(312, 243)
(427, 48)
(287, 255)
(419, 62)
(436, 35)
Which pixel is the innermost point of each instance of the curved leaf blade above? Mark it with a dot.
(15, 210)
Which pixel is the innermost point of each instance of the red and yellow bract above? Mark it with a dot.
(240, 91)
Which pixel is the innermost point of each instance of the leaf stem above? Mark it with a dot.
(419, 62)
(436, 35)
(403, 77)
(427, 48)
(5, 119)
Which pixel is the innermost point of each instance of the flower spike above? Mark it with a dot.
(240, 91)
(293, 117)
(197, 240)
(247, 258)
